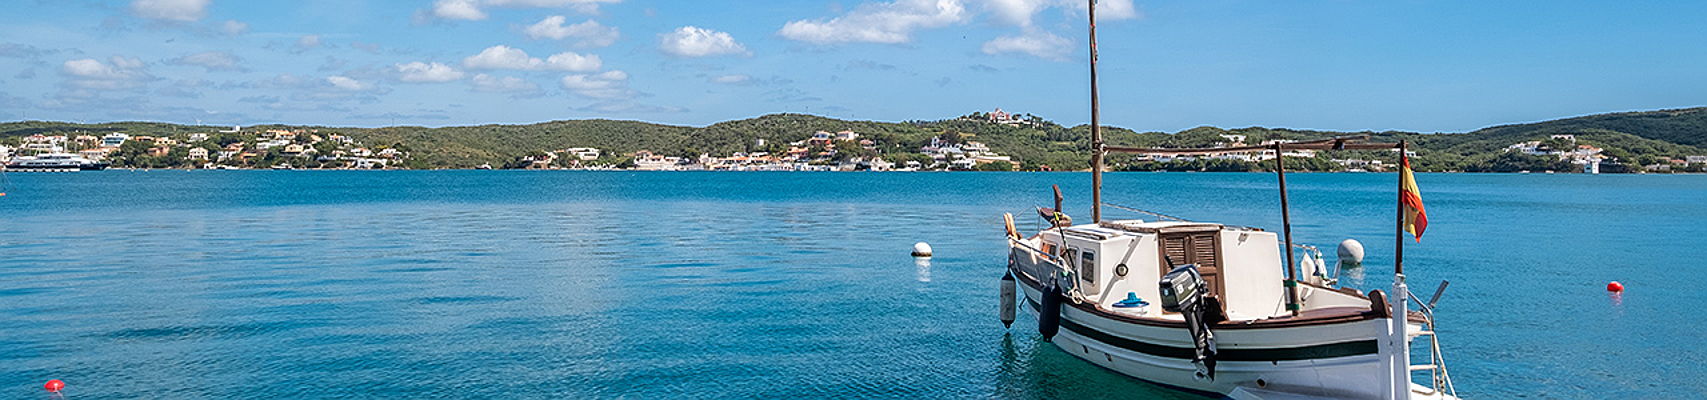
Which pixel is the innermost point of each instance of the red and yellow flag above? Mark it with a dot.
(1416, 220)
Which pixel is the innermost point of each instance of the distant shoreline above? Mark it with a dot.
(28, 172)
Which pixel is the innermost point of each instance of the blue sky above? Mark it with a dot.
(1167, 65)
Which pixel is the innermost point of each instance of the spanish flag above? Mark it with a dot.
(1416, 220)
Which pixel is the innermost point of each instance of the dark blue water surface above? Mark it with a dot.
(501, 284)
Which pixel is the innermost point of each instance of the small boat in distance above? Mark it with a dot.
(1218, 309)
(54, 162)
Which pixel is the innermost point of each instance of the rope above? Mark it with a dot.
(1152, 213)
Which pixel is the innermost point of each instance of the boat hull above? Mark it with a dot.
(56, 168)
(1336, 360)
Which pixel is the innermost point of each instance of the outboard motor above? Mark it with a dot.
(1049, 311)
(1183, 291)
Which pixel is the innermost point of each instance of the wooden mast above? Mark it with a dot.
(1096, 126)
(1286, 227)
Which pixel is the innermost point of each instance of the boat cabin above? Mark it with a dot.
(1241, 266)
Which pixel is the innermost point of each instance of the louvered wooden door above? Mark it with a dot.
(1199, 248)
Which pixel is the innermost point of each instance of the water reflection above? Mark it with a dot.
(924, 267)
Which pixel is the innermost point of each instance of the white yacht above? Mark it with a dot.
(54, 162)
(1222, 309)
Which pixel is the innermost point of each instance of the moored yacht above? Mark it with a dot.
(1222, 309)
(54, 162)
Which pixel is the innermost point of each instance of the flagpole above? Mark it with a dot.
(1399, 227)
(1398, 338)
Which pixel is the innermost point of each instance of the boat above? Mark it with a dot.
(54, 162)
(1220, 309)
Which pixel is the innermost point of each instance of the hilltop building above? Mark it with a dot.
(1004, 118)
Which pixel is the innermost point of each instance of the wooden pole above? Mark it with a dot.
(1286, 229)
(1399, 226)
(1096, 126)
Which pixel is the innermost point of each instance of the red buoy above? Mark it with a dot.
(1615, 287)
(54, 385)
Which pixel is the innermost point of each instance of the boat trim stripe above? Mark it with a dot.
(1331, 350)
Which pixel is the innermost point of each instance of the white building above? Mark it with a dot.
(114, 140)
(1004, 118)
(585, 153)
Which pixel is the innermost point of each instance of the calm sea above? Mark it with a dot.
(502, 284)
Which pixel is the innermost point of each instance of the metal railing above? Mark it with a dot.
(1439, 378)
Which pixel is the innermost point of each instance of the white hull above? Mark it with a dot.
(1292, 375)
(1336, 377)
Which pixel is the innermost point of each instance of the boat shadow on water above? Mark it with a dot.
(1033, 369)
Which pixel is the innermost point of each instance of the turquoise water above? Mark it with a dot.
(508, 284)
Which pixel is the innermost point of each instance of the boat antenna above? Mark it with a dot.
(1096, 125)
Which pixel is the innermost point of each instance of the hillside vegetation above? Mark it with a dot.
(1630, 139)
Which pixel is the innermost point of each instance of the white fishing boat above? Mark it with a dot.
(1221, 309)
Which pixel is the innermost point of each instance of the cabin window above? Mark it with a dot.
(1087, 267)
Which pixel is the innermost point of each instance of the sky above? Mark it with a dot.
(1429, 66)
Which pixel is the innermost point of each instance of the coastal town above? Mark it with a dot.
(237, 148)
(222, 149)
(823, 151)
(949, 145)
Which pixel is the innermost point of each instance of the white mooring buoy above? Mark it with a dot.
(1350, 253)
(921, 249)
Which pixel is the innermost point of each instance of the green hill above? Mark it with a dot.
(1631, 138)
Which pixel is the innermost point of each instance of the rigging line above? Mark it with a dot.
(1145, 212)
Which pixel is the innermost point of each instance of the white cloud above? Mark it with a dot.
(1020, 12)
(506, 57)
(347, 83)
(732, 79)
(1109, 10)
(570, 61)
(588, 34)
(117, 73)
(892, 22)
(307, 42)
(502, 84)
(606, 85)
(212, 61)
(1017, 12)
(233, 27)
(474, 10)
(896, 21)
(693, 41)
(170, 10)
(502, 57)
(419, 72)
(458, 9)
(1035, 42)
